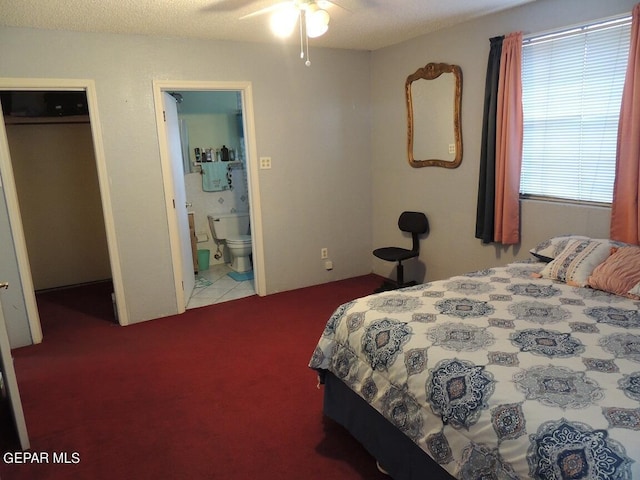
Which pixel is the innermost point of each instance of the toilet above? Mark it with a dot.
(232, 230)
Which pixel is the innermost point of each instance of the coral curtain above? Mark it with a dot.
(625, 216)
(509, 130)
(487, 180)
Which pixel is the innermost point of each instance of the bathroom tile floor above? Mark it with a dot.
(215, 286)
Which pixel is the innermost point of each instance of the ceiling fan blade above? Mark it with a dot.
(324, 3)
(348, 5)
(228, 5)
(265, 10)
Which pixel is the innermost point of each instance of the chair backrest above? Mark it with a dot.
(415, 223)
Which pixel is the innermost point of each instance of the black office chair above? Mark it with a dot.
(415, 223)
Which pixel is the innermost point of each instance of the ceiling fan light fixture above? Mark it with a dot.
(284, 21)
(317, 21)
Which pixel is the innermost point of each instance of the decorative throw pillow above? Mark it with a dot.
(619, 274)
(577, 261)
(549, 249)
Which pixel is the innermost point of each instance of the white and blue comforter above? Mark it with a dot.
(499, 373)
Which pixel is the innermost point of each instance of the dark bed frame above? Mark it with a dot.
(393, 450)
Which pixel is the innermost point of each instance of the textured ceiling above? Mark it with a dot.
(355, 24)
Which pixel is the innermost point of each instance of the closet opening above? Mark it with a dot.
(56, 179)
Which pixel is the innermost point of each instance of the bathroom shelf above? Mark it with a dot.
(233, 165)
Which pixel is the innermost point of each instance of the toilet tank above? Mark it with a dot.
(229, 225)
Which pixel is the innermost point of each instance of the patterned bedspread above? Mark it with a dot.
(499, 373)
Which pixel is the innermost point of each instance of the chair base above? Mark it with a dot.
(388, 285)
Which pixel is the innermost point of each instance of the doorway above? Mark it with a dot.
(57, 185)
(26, 228)
(178, 164)
(211, 123)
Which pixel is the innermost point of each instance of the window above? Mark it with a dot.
(572, 85)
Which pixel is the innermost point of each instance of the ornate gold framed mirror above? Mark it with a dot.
(434, 134)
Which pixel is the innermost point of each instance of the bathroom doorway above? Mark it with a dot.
(213, 116)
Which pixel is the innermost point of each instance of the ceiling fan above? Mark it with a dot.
(236, 5)
(297, 4)
(311, 16)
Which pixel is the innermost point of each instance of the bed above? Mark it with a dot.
(529, 370)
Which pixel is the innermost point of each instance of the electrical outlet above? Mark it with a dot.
(265, 163)
(328, 265)
(324, 253)
(452, 148)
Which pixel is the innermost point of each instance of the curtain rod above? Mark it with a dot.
(594, 25)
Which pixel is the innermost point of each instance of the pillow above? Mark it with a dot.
(619, 274)
(577, 261)
(548, 250)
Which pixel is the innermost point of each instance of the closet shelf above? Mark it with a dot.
(13, 120)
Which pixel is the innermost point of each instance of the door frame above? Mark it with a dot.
(15, 218)
(245, 88)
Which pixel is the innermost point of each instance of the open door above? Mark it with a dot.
(10, 382)
(174, 147)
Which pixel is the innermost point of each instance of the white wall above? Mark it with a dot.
(449, 196)
(313, 122)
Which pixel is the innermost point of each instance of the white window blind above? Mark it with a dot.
(572, 85)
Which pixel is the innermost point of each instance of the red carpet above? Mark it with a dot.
(220, 392)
